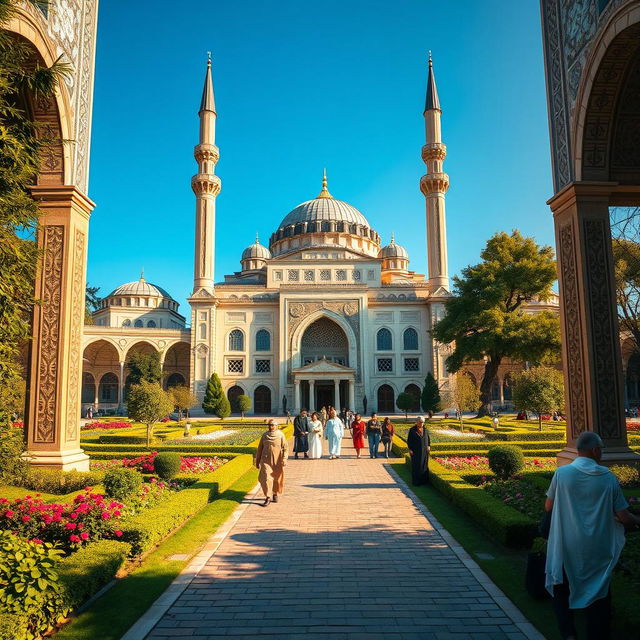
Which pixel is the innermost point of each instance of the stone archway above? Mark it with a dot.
(386, 399)
(324, 338)
(414, 391)
(232, 395)
(176, 363)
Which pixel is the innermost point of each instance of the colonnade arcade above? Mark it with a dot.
(105, 370)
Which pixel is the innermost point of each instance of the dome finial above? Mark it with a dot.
(393, 238)
(257, 238)
(325, 192)
(142, 275)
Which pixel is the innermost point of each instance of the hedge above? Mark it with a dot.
(12, 626)
(505, 524)
(146, 529)
(521, 436)
(446, 447)
(528, 453)
(119, 455)
(85, 572)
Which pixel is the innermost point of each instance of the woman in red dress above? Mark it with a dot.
(357, 433)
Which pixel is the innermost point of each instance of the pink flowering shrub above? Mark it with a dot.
(89, 517)
(633, 426)
(481, 463)
(519, 494)
(91, 426)
(144, 463)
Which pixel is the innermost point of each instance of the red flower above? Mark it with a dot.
(8, 513)
(26, 518)
(117, 533)
(74, 538)
(84, 535)
(106, 515)
(70, 525)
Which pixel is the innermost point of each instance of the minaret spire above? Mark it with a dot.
(206, 186)
(325, 192)
(434, 186)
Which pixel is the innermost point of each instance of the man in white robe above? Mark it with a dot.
(588, 511)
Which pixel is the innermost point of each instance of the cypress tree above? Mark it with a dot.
(215, 401)
(430, 398)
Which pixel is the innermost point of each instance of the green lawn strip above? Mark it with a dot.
(506, 569)
(12, 493)
(112, 614)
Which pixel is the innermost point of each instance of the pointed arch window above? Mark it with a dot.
(263, 340)
(410, 339)
(383, 340)
(236, 340)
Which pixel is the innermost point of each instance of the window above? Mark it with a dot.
(203, 331)
(386, 399)
(126, 323)
(308, 275)
(235, 366)
(277, 276)
(262, 400)
(293, 275)
(151, 324)
(263, 340)
(263, 366)
(357, 275)
(383, 340)
(412, 364)
(341, 275)
(138, 324)
(371, 274)
(325, 275)
(236, 340)
(410, 339)
(385, 365)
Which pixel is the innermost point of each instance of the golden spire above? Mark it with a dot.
(325, 192)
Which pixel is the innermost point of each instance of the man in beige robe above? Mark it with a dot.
(271, 459)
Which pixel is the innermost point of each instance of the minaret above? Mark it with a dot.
(206, 186)
(434, 186)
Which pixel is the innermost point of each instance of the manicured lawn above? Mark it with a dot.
(112, 614)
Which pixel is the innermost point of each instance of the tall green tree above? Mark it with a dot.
(485, 318)
(22, 143)
(215, 401)
(430, 399)
(464, 396)
(540, 390)
(148, 404)
(404, 402)
(91, 303)
(143, 367)
(244, 404)
(626, 255)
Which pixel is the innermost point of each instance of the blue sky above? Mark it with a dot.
(301, 86)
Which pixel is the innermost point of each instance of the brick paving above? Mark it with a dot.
(345, 555)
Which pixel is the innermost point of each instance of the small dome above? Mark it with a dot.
(140, 288)
(256, 252)
(393, 250)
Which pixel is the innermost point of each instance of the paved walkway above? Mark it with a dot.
(347, 554)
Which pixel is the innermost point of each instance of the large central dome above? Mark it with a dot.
(324, 209)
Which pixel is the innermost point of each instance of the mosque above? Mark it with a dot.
(325, 315)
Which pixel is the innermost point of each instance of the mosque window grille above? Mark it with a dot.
(138, 324)
(263, 366)
(293, 275)
(357, 275)
(341, 275)
(412, 364)
(126, 323)
(235, 365)
(277, 276)
(325, 275)
(385, 365)
(309, 275)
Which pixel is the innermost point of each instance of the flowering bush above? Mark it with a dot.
(89, 517)
(18, 424)
(151, 493)
(144, 463)
(633, 426)
(519, 494)
(90, 426)
(481, 463)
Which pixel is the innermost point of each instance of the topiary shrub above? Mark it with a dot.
(121, 483)
(627, 475)
(30, 587)
(60, 482)
(167, 464)
(505, 461)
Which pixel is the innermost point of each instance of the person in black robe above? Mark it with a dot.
(419, 445)
(301, 434)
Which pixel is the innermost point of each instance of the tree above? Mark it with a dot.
(22, 145)
(91, 303)
(183, 399)
(540, 390)
(625, 231)
(244, 404)
(430, 399)
(464, 396)
(485, 318)
(148, 403)
(143, 367)
(404, 402)
(215, 401)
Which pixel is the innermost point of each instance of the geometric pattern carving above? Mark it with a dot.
(573, 333)
(75, 349)
(49, 338)
(604, 336)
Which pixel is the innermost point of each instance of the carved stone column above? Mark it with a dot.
(55, 362)
(296, 397)
(352, 395)
(589, 320)
(312, 395)
(121, 388)
(336, 395)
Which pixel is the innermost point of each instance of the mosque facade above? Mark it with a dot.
(323, 314)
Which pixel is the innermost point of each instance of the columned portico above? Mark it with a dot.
(319, 384)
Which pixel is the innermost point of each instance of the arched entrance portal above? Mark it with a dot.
(262, 400)
(386, 399)
(232, 395)
(324, 339)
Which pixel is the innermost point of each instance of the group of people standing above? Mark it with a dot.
(309, 431)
